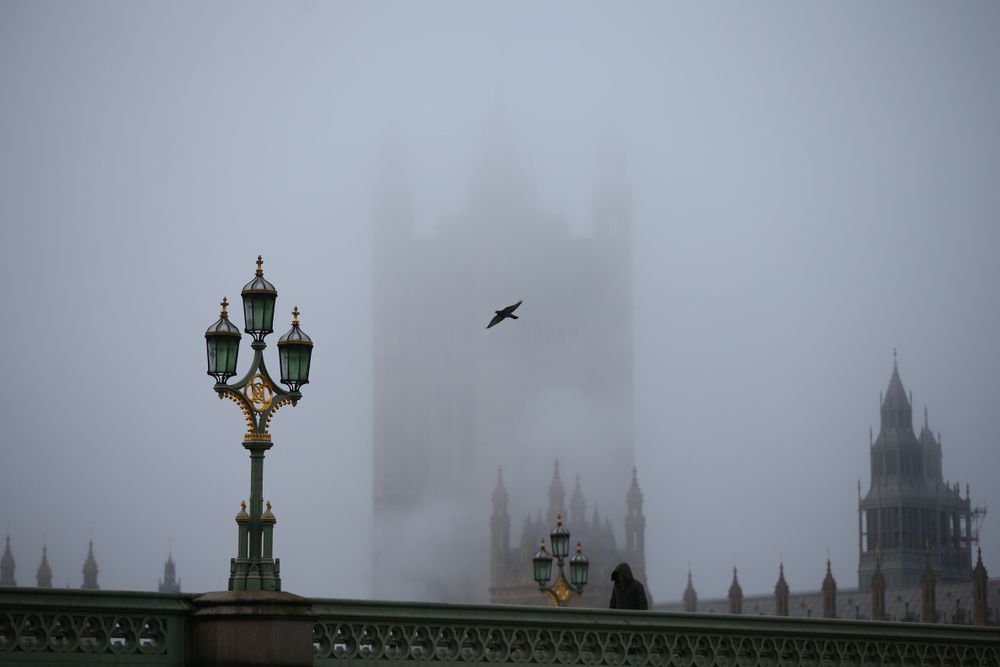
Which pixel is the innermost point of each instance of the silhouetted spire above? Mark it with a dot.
(90, 569)
(500, 530)
(690, 596)
(634, 497)
(557, 496)
(781, 593)
(7, 566)
(735, 595)
(577, 505)
(500, 495)
(635, 528)
(980, 611)
(170, 583)
(829, 593)
(897, 411)
(44, 576)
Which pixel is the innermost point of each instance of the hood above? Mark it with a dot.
(622, 573)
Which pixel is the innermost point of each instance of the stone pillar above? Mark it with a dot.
(250, 629)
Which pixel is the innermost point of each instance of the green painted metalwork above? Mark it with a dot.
(40, 626)
(373, 633)
(79, 627)
(259, 397)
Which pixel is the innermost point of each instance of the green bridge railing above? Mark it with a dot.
(377, 633)
(65, 627)
(52, 626)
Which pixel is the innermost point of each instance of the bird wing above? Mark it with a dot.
(510, 309)
(496, 320)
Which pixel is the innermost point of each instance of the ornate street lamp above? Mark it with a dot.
(561, 591)
(258, 397)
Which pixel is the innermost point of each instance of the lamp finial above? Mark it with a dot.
(295, 316)
(260, 264)
(225, 307)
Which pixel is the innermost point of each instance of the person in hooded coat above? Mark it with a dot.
(626, 591)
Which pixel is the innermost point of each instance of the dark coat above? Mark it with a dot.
(626, 592)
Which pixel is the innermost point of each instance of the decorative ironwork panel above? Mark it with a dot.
(637, 639)
(76, 627)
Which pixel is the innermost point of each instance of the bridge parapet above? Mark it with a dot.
(377, 633)
(86, 627)
(78, 627)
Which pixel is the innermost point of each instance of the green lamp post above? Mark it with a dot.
(258, 396)
(562, 590)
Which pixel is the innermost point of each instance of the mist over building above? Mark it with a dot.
(452, 401)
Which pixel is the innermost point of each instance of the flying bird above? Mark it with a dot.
(503, 314)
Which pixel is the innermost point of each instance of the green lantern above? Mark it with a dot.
(542, 563)
(560, 539)
(258, 304)
(578, 567)
(295, 355)
(223, 342)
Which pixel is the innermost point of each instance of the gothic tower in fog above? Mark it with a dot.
(452, 401)
(909, 508)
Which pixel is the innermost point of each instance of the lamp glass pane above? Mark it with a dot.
(232, 347)
(543, 569)
(268, 311)
(258, 313)
(305, 356)
(578, 572)
(211, 344)
(560, 544)
(283, 352)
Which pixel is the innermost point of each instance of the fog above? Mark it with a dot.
(809, 187)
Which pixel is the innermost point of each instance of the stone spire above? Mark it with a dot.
(44, 575)
(980, 611)
(897, 411)
(500, 531)
(928, 610)
(878, 588)
(577, 506)
(90, 569)
(635, 528)
(781, 593)
(735, 595)
(829, 593)
(7, 566)
(690, 596)
(170, 583)
(557, 497)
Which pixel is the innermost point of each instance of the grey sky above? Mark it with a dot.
(814, 184)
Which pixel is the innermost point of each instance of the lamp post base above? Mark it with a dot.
(249, 628)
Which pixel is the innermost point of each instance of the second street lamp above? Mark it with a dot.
(259, 398)
(561, 591)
